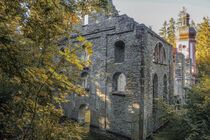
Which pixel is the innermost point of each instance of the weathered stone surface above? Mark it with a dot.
(128, 112)
(179, 82)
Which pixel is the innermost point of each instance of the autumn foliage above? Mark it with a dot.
(35, 75)
(191, 121)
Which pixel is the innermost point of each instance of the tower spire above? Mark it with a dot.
(186, 39)
(186, 19)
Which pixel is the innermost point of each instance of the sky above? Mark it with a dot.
(154, 12)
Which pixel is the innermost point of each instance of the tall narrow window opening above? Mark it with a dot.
(165, 90)
(86, 19)
(119, 52)
(119, 82)
(85, 81)
(159, 55)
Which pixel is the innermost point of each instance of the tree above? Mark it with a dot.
(171, 33)
(168, 32)
(180, 16)
(203, 46)
(191, 121)
(163, 31)
(36, 77)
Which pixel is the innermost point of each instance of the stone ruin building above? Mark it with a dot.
(132, 66)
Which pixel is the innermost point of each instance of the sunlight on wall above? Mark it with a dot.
(136, 106)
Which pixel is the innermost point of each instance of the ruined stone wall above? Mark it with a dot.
(161, 70)
(126, 113)
(123, 111)
(188, 76)
(188, 72)
(115, 113)
(179, 78)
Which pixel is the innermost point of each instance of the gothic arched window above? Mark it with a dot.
(162, 56)
(159, 55)
(165, 89)
(83, 114)
(156, 55)
(119, 82)
(119, 51)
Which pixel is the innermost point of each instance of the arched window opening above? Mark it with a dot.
(165, 89)
(85, 81)
(84, 115)
(155, 54)
(162, 56)
(119, 52)
(159, 55)
(119, 82)
(155, 93)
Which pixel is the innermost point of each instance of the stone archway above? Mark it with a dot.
(84, 114)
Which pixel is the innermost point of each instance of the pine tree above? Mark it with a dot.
(168, 32)
(180, 16)
(35, 76)
(163, 30)
(203, 45)
(191, 121)
(171, 33)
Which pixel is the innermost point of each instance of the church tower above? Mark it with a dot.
(186, 40)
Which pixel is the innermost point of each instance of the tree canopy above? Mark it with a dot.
(36, 76)
(203, 46)
(168, 32)
(191, 121)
